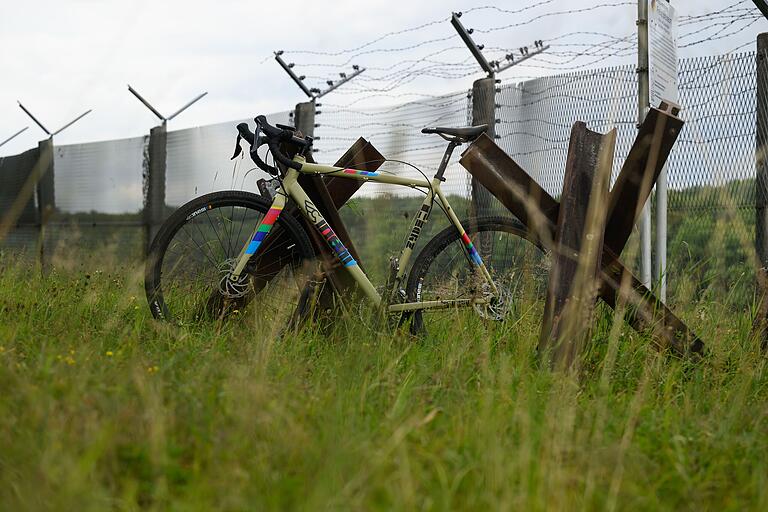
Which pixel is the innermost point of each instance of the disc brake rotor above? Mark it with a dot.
(499, 305)
(233, 288)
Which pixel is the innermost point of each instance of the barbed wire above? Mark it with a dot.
(567, 52)
(718, 35)
(556, 13)
(417, 28)
(579, 54)
(685, 19)
(356, 52)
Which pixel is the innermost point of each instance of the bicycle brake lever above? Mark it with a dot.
(238, 147)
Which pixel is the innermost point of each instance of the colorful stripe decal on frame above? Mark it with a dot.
(335, 244)
(360, 173)
(264, 227)
(470, 247)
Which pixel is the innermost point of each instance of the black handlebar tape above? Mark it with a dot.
(261, 164)
(280, 157)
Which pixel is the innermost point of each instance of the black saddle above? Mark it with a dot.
(466, 134)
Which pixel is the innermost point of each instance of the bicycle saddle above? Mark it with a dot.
(466, 134)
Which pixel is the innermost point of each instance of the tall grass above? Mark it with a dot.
(103, 408)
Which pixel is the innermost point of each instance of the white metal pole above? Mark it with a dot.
(642, 108)
(660, 271)
(661, 234)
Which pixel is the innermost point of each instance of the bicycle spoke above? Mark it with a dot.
(452, 276)
(216, 232)
(193, 272)
(226, 232)
(213, 262)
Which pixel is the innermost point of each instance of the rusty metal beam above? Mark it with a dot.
(538, 210)
(573, 275)
(642, 167)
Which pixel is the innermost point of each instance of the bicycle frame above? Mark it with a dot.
(291, 188)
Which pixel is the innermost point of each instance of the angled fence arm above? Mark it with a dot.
(146, 103)
(9, 139)
(38, 123)
(763, 6)
(189, 104)
(71, 122)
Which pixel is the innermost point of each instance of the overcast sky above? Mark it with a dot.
(63, 57)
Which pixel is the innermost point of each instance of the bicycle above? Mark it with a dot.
(198, 268)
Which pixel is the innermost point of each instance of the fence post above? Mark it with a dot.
(46, 202)
(154, 183)
(483, 112)
(761, 178)
(304, 117)
(761, 181)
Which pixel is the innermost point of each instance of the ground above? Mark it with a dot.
(104, 408)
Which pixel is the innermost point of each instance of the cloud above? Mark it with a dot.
(61, 58)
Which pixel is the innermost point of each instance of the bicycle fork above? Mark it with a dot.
(259, 234)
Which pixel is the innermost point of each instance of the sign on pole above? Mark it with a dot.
(662, 52)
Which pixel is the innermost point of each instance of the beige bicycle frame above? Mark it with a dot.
(291, 188)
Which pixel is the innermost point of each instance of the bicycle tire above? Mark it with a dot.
(432, 259)
(294, 241)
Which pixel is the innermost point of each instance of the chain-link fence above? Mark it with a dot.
(396, 133)
(380, 215)
(710, 170)
(198, 161)
(18, 202)
(98, 199)
(100, 188)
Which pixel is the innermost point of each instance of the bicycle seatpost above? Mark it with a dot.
(446, 158)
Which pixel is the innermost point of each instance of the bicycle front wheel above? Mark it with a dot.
(190, 260)
(443, 271)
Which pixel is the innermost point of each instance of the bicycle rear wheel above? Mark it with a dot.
(187, 268)
(444, 271)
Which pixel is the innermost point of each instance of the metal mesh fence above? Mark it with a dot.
(14, 171)
(396, 133)
(98, 199)
(99, 188)
(99, 177)
(380, 215)
(711, 209)
(198, 161)
(710, 170)
(535, 118)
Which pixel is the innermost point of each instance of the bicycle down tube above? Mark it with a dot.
(291, 188)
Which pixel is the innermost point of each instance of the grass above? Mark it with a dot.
(103, 408)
